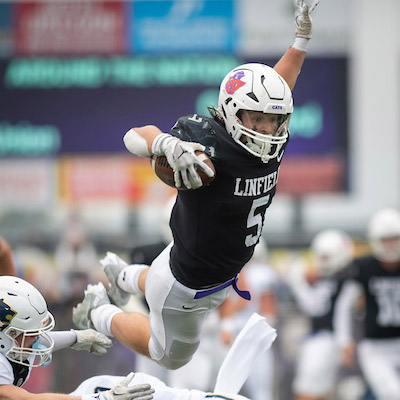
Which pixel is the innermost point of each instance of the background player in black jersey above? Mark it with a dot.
(215, 228)
(315, 294)
(377, 277)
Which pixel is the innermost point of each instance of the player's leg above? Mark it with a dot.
(176, 317)
(133, 331)
(379, 362)
(96, 311)
(317, 367)
(173, 333)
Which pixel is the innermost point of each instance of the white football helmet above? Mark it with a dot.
(256, 87)
(23, 315)
(332, 250)
(384, 225)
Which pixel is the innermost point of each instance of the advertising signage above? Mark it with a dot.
(51, 106)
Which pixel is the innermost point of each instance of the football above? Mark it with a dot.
(164, 171)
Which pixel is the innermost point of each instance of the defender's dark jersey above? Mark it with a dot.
(21, 373)
(332, 286)
(382, 292)
(215, 228)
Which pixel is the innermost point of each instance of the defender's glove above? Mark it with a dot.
(182, 158)
(124, 392)
(91, 341)
(303, 19)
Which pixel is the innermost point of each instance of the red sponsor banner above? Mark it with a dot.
(70, 28)
(93, 178)
(305, 175)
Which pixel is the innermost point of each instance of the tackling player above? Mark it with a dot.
(215, 228)
(27, 341)
(377, 277)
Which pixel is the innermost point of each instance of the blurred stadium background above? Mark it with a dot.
(75, 76)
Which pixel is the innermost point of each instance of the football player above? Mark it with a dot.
(215, 228)
(377, 277)
(27, 341)
(319, 361)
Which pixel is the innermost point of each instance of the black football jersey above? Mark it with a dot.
(146, 253)
(21, 373)
(332, 285)
(215, 228)
(382, 294)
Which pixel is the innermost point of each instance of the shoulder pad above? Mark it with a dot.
(199, 129)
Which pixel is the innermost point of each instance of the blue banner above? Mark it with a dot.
(176, 26)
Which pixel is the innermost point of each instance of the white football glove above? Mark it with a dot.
(303, 19)
(91, 341)
(122, 391)
(182, 159)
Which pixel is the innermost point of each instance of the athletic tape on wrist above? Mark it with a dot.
(300, 43)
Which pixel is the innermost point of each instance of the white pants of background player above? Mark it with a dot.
(380, 363)
(317, 365)
(176, 317)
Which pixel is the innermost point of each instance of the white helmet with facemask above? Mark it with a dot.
(259, 88)
(332, 250)
(23, 316)
(384, 235)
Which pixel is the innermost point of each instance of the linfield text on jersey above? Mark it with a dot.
(255, 186)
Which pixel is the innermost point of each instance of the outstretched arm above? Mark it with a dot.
(290, 64)
(10, 392)
(122, 391)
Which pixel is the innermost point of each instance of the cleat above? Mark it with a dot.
(112, 266)
(95, 296)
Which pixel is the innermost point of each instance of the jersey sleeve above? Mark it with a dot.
(199, 129)
(343, 312)
(6, 372)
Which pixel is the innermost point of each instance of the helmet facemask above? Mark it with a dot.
(387, 248)
(260, 143)
(25, 323)
(22, 348)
